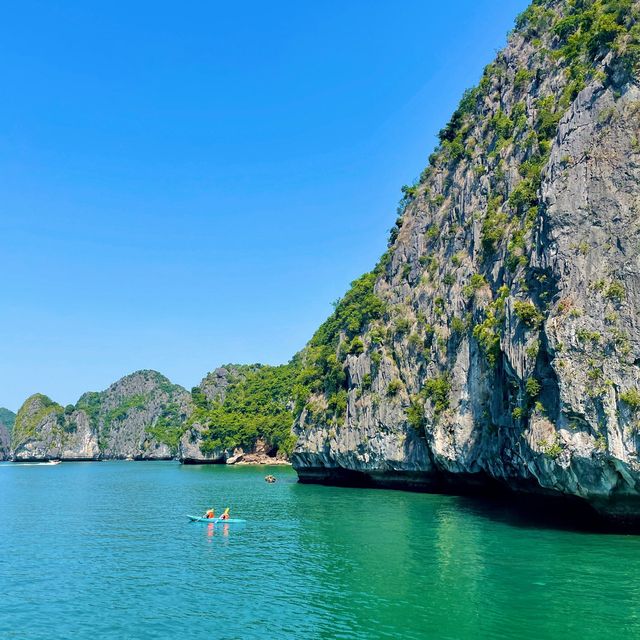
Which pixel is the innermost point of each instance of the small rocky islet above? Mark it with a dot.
(497, 341)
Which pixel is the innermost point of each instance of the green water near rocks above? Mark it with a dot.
(103, 550)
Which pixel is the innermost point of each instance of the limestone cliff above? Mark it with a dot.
(498, 340)
(7, 420)
(140, 416)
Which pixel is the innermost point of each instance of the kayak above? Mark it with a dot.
(216, 520)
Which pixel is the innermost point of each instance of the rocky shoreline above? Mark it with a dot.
(261, 454)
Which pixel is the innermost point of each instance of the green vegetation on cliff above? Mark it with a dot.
(7, 418)
(257, 405)
(574, 36)
(322, 362)
(169, 426)
(32, 413)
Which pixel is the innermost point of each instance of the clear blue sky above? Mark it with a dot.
(188, 184)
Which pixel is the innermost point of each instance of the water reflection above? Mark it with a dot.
(223, 530)
(432, 567)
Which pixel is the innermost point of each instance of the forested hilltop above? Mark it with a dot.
(241, 407)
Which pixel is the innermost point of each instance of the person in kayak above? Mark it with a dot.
(210, 513)
(225, 515)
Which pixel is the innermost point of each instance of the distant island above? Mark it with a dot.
(238, 413)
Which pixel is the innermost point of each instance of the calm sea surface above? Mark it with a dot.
(104, 550)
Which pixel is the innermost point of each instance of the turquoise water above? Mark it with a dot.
(105, 551)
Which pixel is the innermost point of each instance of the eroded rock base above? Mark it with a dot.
(525, 505)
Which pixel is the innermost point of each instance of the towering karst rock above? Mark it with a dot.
(498, 339)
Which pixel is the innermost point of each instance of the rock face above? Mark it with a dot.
(7, 420)
(213, 388)
(261, 453)
(5, 440)
(140, 416)
(508, 349)
(43, 431)
(214, 385)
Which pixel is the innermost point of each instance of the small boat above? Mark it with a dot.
(216, 520)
